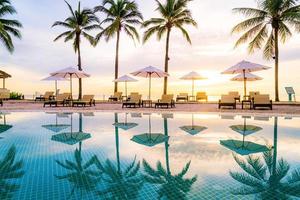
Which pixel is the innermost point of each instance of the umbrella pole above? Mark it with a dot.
(149, 97)
(193, 86)
(3, 83)
(245, 83)
(126, 89)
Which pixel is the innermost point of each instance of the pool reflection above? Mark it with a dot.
(149, 156)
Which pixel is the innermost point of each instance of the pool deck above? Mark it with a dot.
(282, 108)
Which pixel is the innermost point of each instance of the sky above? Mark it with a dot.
(212, 51)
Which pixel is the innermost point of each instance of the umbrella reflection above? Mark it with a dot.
(171, 186)
(125, 125)
(265, 176)
(4, 127)
(150, 139)
(193, 129)
(57, 127)
(244, 147)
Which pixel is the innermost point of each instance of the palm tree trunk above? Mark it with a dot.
(167, 61)
(79, 68)
(275, 145)
(276, 64)
(117, 60)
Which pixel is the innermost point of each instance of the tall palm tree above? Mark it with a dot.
(172, 187)
(120, 15)
(8, 27)
(121, 184)
(10, 170)
(266, 25)
(174, 14)
(78, 25)
(266, 177)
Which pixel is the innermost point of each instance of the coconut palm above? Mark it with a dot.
(172, 187)
(174, 14)
(265, 25)
(266, 177)
(10, 171)
(120, 15)
(121, 184)
(78, 25)
(8, 27)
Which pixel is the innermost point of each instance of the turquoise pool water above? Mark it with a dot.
(148, 156)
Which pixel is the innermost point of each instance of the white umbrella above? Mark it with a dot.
(244, 67)
(70, 73)
(150, 72)
(53, 78)
(193, 76)
(125, 79)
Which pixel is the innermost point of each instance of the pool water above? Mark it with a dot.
(148, 156)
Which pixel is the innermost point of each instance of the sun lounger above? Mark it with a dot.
(227, 101)
(86, 100)
(47, 96)
(252, 94)
(262, 101)
(134, 101)
(201, 96)
(116, 97)
(235, 94)
(182, 97)
(165, 101)
(61, 99)
(4, 94)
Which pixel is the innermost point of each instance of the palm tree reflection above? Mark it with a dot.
(172, 186)
(82, 176)
(10, 171)
(265, 177)
(120, 184)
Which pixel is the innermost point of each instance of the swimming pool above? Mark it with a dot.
(148, 156)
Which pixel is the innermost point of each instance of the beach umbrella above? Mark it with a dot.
(244, 147)
(193, 76)
(55, 79)
(244, 67)
(70, 73)
(125, 125)
(150, 72)
(150, 139)
(56, 127)
(4, 75)
(125, 79)
(193, 129)
(246, 77)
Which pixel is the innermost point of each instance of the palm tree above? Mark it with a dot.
(266, 25)
(10, 170)
(174, 14)
(120, 184)
(78, 24)
(266, 177)
(9, 27)
(120, 15)
(172, 187)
